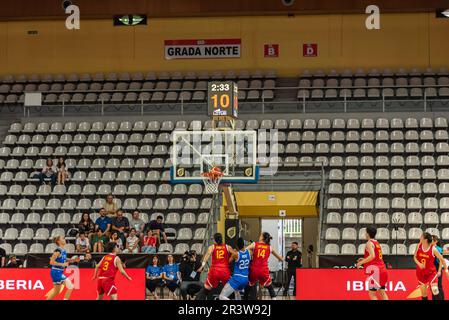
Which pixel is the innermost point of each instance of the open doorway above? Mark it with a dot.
(284, 232)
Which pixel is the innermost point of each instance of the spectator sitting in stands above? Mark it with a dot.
(49, 171)
(132, 242)
(115, 238)
(63, 171)
(99, 240)
(157, 227)
(149, 243)
(154, 277)
(82, 243)
(103, 223)
(14, 262)
(110, 206)
(137, 223)
(120, 224)
(86, 225)
(86, 261)
(171, 275)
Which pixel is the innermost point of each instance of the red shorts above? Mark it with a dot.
(106, 286)
(217, 275)
(378, 279)
(427, 277)
(259, 274)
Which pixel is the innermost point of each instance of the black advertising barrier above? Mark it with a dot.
(392, 261)
(41, 260)
(232, 227)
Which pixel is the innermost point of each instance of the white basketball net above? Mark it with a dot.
(211, 183)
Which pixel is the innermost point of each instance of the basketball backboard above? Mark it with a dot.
(196, 152)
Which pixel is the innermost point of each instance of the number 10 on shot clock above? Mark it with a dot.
(222, 97)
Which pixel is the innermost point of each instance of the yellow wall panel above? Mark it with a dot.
(401, 41)
(439, 48)
(268, 204)
(405, 40)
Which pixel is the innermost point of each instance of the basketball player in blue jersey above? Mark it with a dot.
(59, 262)
(239, 279)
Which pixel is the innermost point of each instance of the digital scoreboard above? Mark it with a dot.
(222, 99)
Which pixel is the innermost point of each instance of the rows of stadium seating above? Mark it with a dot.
(133, 88)
(178, 87)
(402, 160)
(375, 84)
(32, 214)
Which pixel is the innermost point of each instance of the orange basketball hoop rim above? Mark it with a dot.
(212, 180)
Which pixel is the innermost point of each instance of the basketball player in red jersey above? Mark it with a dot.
(219, 270)
(106, 270)
(258, 268)
(426, 271)
(374, 266)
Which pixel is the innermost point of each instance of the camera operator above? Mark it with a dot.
(188, 267)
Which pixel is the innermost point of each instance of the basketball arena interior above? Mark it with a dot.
(342, 110)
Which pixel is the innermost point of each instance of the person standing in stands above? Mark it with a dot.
(293, 259)
(110, 206)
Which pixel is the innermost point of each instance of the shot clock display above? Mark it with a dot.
(222, 97)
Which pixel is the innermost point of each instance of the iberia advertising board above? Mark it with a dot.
(351, 284)
(33, 284)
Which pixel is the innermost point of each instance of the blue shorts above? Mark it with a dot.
(238, 282)
(57, 276)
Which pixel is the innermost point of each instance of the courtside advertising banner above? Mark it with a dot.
(33, 284)
(203, 49)
(352, 284)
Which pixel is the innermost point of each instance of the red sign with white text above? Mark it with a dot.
(310, 50)
(271, 50)
(33, 284)
(351, 284)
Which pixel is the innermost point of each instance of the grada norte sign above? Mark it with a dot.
(203, 49)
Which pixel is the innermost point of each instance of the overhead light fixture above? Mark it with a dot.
(442, 13)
